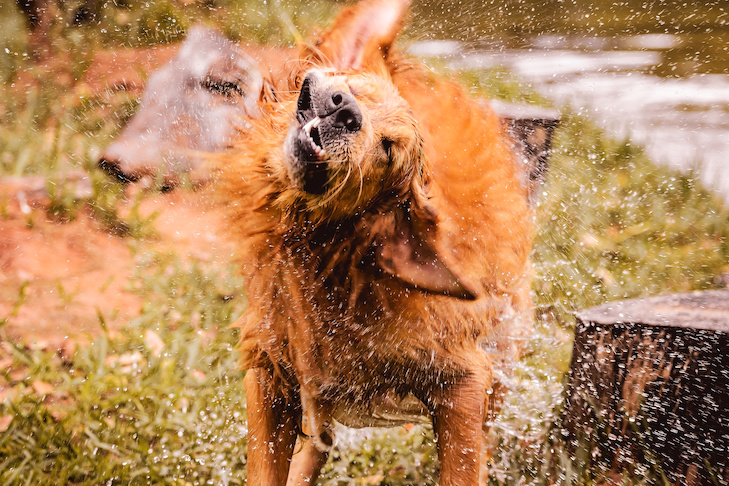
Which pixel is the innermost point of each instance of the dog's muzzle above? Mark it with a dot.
(326, 118)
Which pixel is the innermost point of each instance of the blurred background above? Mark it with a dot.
(654, 70)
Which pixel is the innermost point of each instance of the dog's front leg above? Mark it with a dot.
(271, 430)
(306, 464)
(316, 423)
(458, 424)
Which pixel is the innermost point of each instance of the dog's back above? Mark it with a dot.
(485, 215)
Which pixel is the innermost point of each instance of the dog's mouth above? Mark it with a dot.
(325, 118)
(310, 145)
(311, 142)
(312, 157)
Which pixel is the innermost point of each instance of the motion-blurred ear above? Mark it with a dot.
(409, 252)
(361, 35)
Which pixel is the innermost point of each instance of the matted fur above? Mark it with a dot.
(340, 332)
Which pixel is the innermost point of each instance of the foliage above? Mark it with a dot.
(616, 226)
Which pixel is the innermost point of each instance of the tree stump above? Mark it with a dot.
(649, 386)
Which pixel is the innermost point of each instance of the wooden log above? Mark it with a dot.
(649, 386)
(531, 129)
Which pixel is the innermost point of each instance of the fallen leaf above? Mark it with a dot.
(10, 393)
(41, 345)
(183, 404)
(376, 479)
(604, 275)
(128, 359)
(18, 374)
(67, 351)
(590, 241)
(42, 388)
(5, 422)
(58, 415)
(153, 342)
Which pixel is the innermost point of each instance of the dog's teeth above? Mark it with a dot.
(307, 129)
(311, 124)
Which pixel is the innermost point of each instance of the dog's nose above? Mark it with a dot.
(344, 110)
(337, 108)
(112, 167)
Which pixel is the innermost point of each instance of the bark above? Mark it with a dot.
(649, 385)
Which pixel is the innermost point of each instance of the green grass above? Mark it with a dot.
(161, 402)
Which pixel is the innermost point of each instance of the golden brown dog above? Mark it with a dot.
(384, 230)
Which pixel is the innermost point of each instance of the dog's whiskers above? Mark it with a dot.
(361, 185)
(339, 188)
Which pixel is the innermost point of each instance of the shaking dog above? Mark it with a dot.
(384, 227)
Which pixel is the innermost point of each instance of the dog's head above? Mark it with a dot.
(354, 146)
(352, 142)
(344, 149)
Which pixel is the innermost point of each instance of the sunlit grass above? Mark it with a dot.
(613, 225)
(161, 401)
(158, 403)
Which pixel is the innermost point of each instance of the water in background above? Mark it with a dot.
(657, 71)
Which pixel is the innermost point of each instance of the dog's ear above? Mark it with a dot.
(408, 251)
(361, 35)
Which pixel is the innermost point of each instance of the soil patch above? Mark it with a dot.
(58, 279)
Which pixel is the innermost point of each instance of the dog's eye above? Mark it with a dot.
(221, 87)
(387, 146)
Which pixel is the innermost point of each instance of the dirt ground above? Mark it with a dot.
(56, 278)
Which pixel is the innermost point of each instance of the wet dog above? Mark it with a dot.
(384, 229)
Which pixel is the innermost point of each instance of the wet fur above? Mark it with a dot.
(332, 331)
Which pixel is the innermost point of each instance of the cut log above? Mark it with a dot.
(649, 386)
(531, 129)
